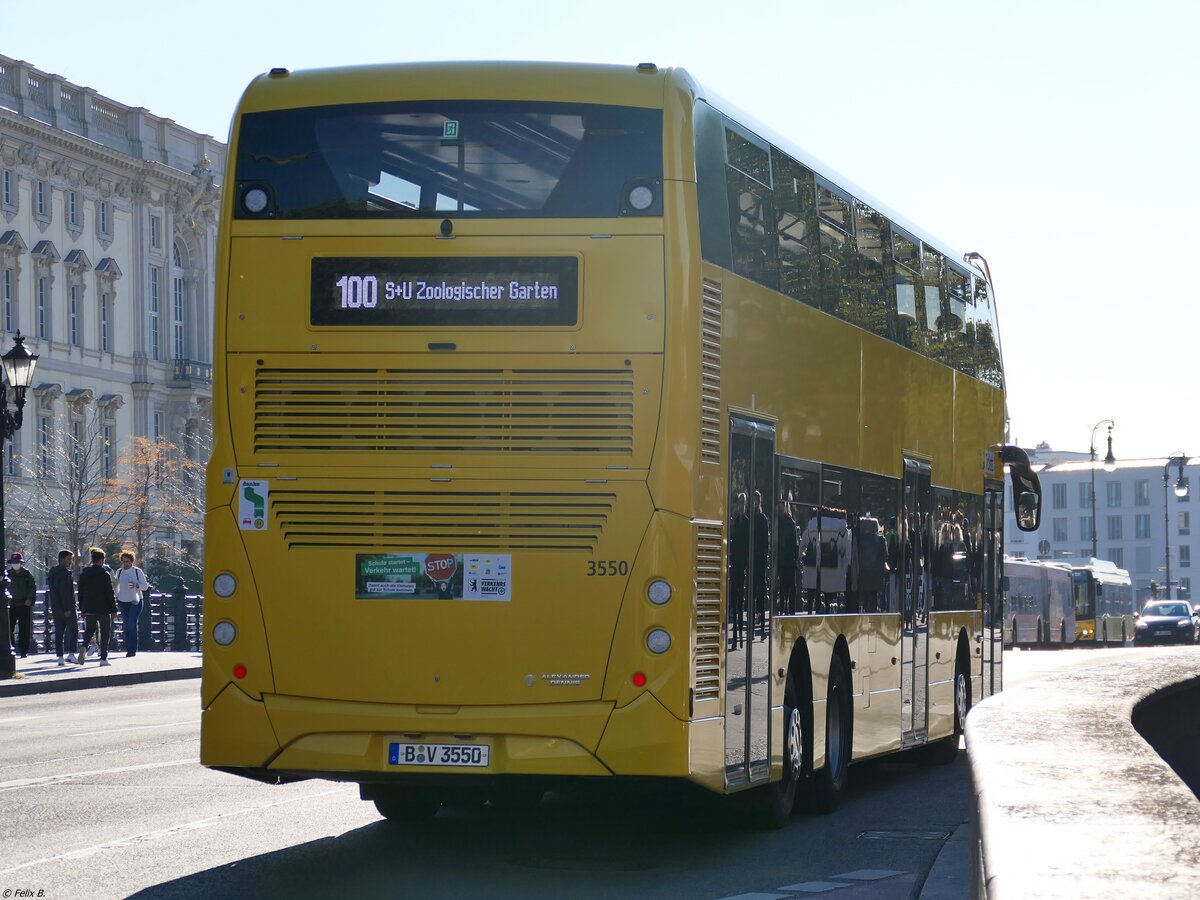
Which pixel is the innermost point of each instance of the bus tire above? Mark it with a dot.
(410, 807)
(829, 784)
(778, 799)
(945, 751)
(1043, 638)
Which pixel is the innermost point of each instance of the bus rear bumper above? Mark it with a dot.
(325, 736)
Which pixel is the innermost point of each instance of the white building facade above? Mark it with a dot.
(107, 254)
(1136, 518)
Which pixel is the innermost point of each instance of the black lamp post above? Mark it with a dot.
(19, 364)
(1110, 465)
(1181, 491)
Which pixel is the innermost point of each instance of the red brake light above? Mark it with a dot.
(639, 680)
(239, 671)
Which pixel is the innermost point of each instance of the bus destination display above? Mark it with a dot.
(441, 291)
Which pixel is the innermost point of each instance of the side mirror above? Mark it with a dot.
(1026, 487)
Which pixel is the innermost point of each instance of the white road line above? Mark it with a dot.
(6, 720)
(96, 849)
(67, 776)
(134, 728)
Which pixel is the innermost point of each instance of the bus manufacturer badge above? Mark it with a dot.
(252, 505)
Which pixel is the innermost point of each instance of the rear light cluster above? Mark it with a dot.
(658, 639)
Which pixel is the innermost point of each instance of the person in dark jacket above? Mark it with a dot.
(22, 591)
(97, 602)
(60, 597)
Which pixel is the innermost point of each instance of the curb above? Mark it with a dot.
(22, 688)
(948, 876)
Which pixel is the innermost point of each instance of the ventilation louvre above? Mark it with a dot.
(450, 520)
(466, 411)
(709, 569)
(710, 374)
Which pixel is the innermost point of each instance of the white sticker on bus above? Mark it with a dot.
(487, 576)
(252, 505)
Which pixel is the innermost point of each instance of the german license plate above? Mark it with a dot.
(469, 755)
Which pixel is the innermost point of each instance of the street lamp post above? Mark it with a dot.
(1110, 464)
(19, 364)
(1181, 491)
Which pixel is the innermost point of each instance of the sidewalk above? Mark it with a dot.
(41, 674)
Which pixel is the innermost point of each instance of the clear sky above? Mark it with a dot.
(1056, 137)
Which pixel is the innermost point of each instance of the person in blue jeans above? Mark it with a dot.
(131, 585)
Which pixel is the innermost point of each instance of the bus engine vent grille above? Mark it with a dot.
(709, 569)
(450, 520)
(710, 374)
(529, 411)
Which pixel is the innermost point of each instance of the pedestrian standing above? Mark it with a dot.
(97, 602)
(22, 591)
(131, 584)
(60, 596)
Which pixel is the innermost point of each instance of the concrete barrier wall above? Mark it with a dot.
(1071, 800)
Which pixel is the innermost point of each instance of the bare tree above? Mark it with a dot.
(71, 500)
(162, 495)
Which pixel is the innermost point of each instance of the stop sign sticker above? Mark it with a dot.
(440, 566)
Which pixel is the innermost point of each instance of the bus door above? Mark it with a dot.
(749, 532)
(915, 547)
(993, 612)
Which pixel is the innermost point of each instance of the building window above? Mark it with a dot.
(155, 232)
(9, 288)
(1114, 528)
(8, 190)
(41, 200)
(1117, 555)
(159, 426)
(76, 449)
(45, 447)
(1085, 530)
(103, 219)
(12, 464)
(74, 210)
(108, 448)
(104, 310)
(152, 330)
(1141, 492)
(1114, 493)
(1141, 526)
(43, 308)
(177, 342)
(73, 315)
(1185, 522)
(1060, 496)
(1185, 556)
(1085, 493)
(1060, 531)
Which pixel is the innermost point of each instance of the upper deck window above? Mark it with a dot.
(459, 157)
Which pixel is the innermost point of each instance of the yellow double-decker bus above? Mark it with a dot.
(570, 425)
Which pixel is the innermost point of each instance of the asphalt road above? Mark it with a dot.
(101, 796)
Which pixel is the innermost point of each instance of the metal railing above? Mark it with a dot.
(171, 621)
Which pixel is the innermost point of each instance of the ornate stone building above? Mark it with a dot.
(107, 252)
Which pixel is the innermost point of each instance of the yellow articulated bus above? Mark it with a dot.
(572, 426)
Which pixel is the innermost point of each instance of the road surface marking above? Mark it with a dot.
(130, 841)
(68, 776)
(134, 728)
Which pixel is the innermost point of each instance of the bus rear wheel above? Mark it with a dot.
(945, 751)
(410, 807)
(778, 799)
(829, 784)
